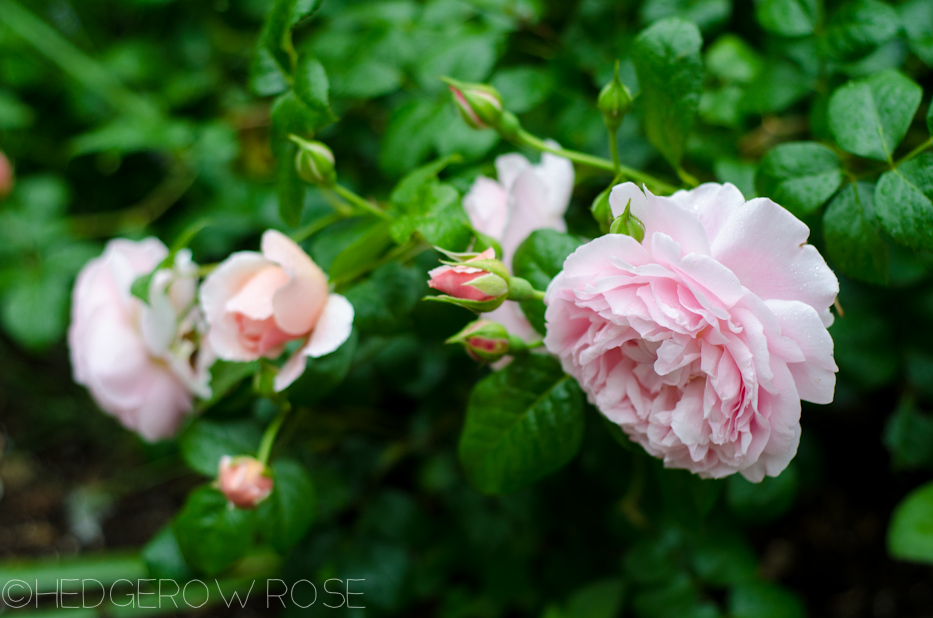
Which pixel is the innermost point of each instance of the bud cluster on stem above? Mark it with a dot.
(478, 281)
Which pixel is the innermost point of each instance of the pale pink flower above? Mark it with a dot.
(245, 481)
(255, 303)
(700, 341)
(525, 198)
(6, 176)
(139, 360)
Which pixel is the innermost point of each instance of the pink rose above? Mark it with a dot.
(526, 198)
(6, 176)
(255, 303)
(137, 359)
(245, 481)
(700, 341)
(468, 282)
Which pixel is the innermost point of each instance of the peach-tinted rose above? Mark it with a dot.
(700, 341)
(255, 303)
(245, 481)
(139, 360)
(525, 198)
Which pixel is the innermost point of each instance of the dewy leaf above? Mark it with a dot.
(670, 74)
(788, 17)
(522, 423)
(212, 535)
(850, 229)
(859, 28)
(287, 514)
(799, 176)
(917, 18)
(870, 117)
(538, 260)
(903, 203)
(910, 534)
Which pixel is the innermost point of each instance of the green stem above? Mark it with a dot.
(913, 153)
(598, 162)
(538, 295)
(268, 438)
(73, 61)
(361, 203)
(316, 226)
(402, 253)
(614, 150)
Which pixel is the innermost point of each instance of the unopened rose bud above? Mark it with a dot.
(484, 340)
(614, 101)
(479, 105)
(628, 224)
(245, 481)
(601, 210)
(480, 283)
(6, 176)
(315, 163)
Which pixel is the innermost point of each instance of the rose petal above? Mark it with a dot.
(331, 331)
(299, 303)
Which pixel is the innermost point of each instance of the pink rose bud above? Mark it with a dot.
(6, 176)
(245, 481)
(485, 341)
(480, 283)
(479, 105)
(257, 303)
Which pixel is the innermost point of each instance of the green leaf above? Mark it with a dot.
(538, 260)
(409, 187)
(287, 514)
(777, 86)
(908, 435)
(863, 350)
(163, 557)
(733, 60)
(870, 117)
(765, 501)
(910, 533)
(323, 374)
(212, 535)
(704, 13)
(903, 203)
(14, 114)
(850, 230)
(290, 189)
(670, 74)
(311, 85)
(764, 600)
(788, 17)
(523, 87)
(271, 69)
(677, 597)
(383, 303)
(434, 212)
(204, 442)
(724, 558)
(601, 599)
(523, 422)
(363, 252)
(917, 18)
(799, 176)
(34, 310)
(859, 28)
(292, 115)
(225, 376)
(411, 134)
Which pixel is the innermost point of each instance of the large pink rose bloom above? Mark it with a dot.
(139, 359)
(256, 303)
(700, 341)
(526, 198)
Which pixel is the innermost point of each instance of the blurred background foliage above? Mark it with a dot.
(136, 117)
